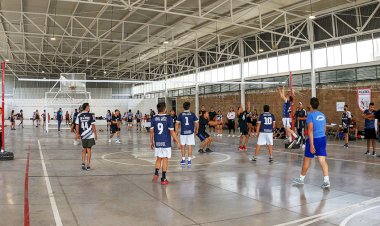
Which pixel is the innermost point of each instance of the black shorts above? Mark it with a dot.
(254, 122)
(130, 120)
(345, 130)
(370, 134)
(138, 120)
(244, 131)
(115, 129)
(203, 136)
(88, 143)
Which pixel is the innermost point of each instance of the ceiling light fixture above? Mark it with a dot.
(165, 62)
(105, 72)
(166, 42)
(311, 17)
(88, 60)
(43, 72)
(95, 78)
(165, 73)
(261, 50)
(6, 60)
(53, 38)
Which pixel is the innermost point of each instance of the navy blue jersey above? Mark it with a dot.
(300, 123)
(59, 115)
(187, 120)
(85, 120)
(266, 121)
(203, 122)
(243, 120)
(162, 125)
(286, 109)
(75, 115)
(369, 123)
(346, 119)
(130, 115)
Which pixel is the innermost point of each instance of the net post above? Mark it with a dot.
(2, 104)
(292, 105)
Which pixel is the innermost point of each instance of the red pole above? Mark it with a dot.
(292, 104)
(2, 103)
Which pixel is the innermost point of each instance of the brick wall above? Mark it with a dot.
(327, 94)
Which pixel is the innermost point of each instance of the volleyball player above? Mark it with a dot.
(219, 125)
(300, 116)
(115, 127)
(242, 115)
(189, 125)
(315, 144)
(67, 117)
(346, 123)
(86, 131)
(265, 126)
(138, 117)
(231, 115)
(37, 118)
(203, 136)
(13, 120)
(254, 118)
(370, 130)
(21, 117)
(130, 119)
(212, 114)
(73, 127)
(109, 119)
(160, 141)
(286, 120)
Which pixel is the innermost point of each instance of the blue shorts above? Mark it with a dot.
(320, 147)
(203, 136)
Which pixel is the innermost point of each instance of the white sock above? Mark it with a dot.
(290, 139)
(302, 177)
(326, 179)
(183, 158)
(188, 158)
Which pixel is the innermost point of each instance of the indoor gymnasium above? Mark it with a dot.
(190, 112)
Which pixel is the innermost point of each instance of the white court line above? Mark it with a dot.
(228, 157)
(345, 221)
(53, 204)
(318, 217)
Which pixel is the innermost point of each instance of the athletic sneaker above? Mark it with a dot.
(374, 154)
(241, 148)
(270, 159)
(367, 153)
(244, 148)
(233, 135)
(298, 181)
(76, 142)
(109, 140)
(88, 168)
(209, 150)
(83, 166)
(118, 142)
(183, 162)
(189, 162)
(164, 181)
(299, 139)
(254, 159)
(201, 151)
(325, 185)
(292, 144)
(229, 135)
(345, 145)
(155, 178)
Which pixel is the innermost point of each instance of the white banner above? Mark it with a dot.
(364, 98)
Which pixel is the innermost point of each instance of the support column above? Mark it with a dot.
(310, 32)
(242, 85)
(196, 84)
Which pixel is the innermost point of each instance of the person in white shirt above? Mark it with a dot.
(231, 115)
